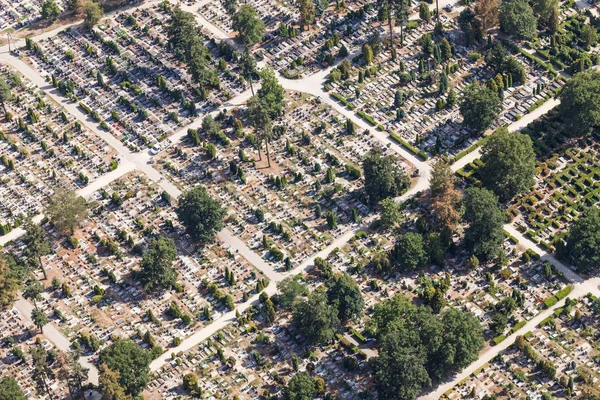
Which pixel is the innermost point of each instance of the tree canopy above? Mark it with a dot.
(316, 319)
(485, 234)
(480, 107)
(50, 10)
(9, 389)
(343, 292)
(248, 25)
(580, 103)
(583, 240)
(93, 14)
(300, 387)
(5, 94)
(383, 178)
(66, 210)
(201, 214)
(290, 288)
(271, 94)
(157, 264)
(130, 361)
(509, 167)
(409, 252)
(36, 242)
(517, 19)
(9, 284)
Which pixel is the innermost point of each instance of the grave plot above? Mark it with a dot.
(126, 77)
(42, 148)
(17, 14)
(315, 176)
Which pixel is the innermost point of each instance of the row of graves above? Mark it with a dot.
(17, 14)
(42, 148)
(129, 79)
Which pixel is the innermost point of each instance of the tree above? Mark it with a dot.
(544, 10)
(190, 382)
(93, 14)
(9, 285)
(271, 93)
(157, 264)
(66, 210)
(367, 54)
(395, 9)
(50, 10)
(391, 213)
(37, 244)
(33, 291)
(300, 387)
(9, 389)
(480, 107)
(290, 288)
(5, 95)
(247, 65)
(441, 177)
(487, 11)
(201, 214)
(400, 372)
(306, 8)
(130, 361)
(517, 19)
(344, 293)
(424, 12)
(41, 369)
(39, 318)
(485, 234)
(316, 319)
(383, 178)
(409, 252)
(110, 388)
(260, 119)
(583, 240)
(248, 25)
(509, 164)
(580, 103)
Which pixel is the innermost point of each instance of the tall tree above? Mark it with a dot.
(485, 232)
(260, 119)
(487, 11)
(580, 103)
(445, 198)
(316, 319)
(93, 13)
(42, 372)
(290, 289)
(39, 318)
(424, 12)
(391, 213)
(544, 10)
(517, 19)
(247, 65)
(583, 240)
(5, 94)
(10, 390)
(400, 372)
(248, 25)
(300, 387)
(229, 5)
(480, 107)
(110, 386)
(50, 10)
(157, 264)
(37, 244)
(201, 214)
(271, 94)
(409, 252)
(441, 177)
(344, 293)
(130, 361)
(306, 8)
(383, 177)
(66, 210)
(9, 285)
(33, 291)
(509, 164)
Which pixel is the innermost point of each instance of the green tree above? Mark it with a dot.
(5, 95)
(109, 385)
(190, 382)
(42, 372)
(130, 361)
(248, 25)
(289, 290)
(66, 210)
(248, 70)
(300, 387)
(424, 12)
(306, 8)
(10, 390)
(260, 119)
(201, 214)
(39, 318)
(50, 10)
(544, 10)
(271, 93)
(580, 103)
(383, 177)
(316, 319)
(391, 213)
(409, 252)
(33, 291)
(517, 19)
(157, 264)
(93, 14)
(400, 372)
(583, 240)
(344, 293)
(480, 107)
(509, 164)
(485, 234)
(9, 285)
(37, 244)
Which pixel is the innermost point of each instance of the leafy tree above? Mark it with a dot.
(583, 240)
(487, 11)
(190, 382)
(9, 285)
(367, 54)
(480, 107)
(517, 19)
(344, 293)
(271, 93)
(130, 361)
(424, 12)
(396, 10)
(441, 177)
(383, 178)
(39, 318)
(66, 210)
(5, 94)
(33, 291)
(316, 319)
(93, 14)
(248, 70)
(201, 214)
(110, 386)
(409, 252)
(485, 234)
(157, 264)
(544, 10)
(50, 10)
(248, 25)
(580, 103)
(10, 390)
(306, 8)
(509, 164)
(37, 244)
(400, 372)
(42, 372)
(391, 213)
(300, 387)
(290, 288)
(260, 119)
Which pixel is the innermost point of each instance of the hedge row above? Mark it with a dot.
(358, 335)
(417, 152)
(471, 149)
(366, 117)
(518, 326)
(538, 61)
(342, 100)
(498, 339)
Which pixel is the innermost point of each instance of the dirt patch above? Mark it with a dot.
(263, 165)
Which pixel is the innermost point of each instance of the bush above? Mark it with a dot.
(499, 339)
(518, 326)
(550, 302)
(366, 117)
(417, 152)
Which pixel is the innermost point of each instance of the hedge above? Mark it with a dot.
(471, 149)
(518, 326)
(366, 117)
(417, 152)
(358, 335)
(564, 292)
(342, 100)
(538, 62)
(550, 302)
(498, 339)
(527, 334)
(546, 321)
